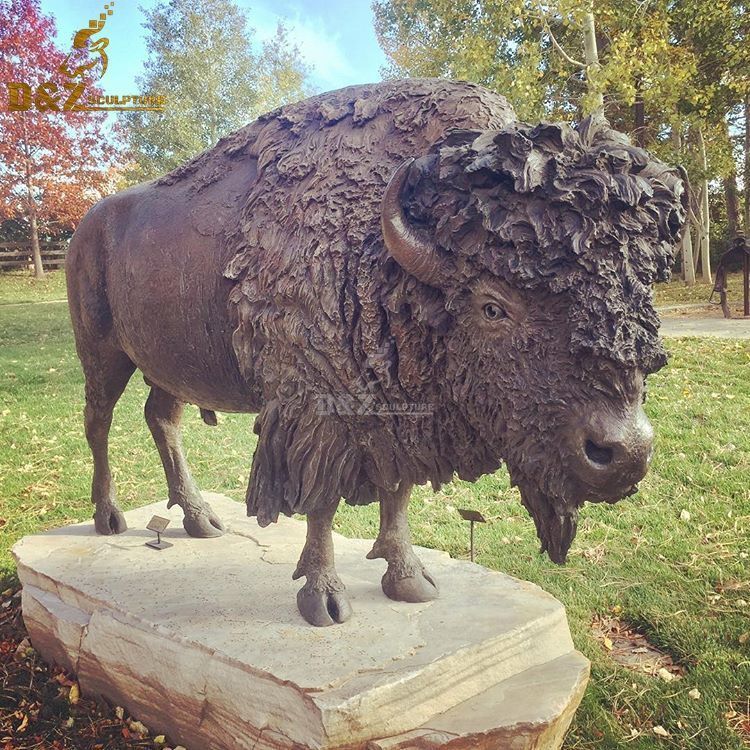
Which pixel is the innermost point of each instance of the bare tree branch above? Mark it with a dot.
(557, 46)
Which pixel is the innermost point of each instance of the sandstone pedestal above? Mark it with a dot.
(203, 641)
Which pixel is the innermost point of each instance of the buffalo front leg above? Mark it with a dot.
(163, 413)
(406, 579)
(322, 600)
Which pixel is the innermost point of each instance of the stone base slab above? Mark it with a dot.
(203, 642)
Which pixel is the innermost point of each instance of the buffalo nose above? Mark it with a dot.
(614, 450)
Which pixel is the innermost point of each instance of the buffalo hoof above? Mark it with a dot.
(419, 587)
(323, 608)
(204, 524)
(109, 520)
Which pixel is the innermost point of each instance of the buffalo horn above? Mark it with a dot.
(415, 253)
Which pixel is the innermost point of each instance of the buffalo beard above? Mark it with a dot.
(556, 523)
(548, 492)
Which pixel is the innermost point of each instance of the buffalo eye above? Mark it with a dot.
(493, 312)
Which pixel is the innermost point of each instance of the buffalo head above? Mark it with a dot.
(544, 243)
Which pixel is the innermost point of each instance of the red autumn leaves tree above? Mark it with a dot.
(54, 164)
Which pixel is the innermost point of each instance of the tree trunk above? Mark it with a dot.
(705, 218)
(746, 176)
(639, 114)
(35, 249)
(31, 203)
(676, 138)
(592, 62)
(733, 205)
(686, 244)
(688, 267)
(696, 223)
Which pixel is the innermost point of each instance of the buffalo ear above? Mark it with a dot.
(409, 246)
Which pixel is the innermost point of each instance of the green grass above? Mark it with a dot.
(665, 576)
(21, 286)
(677, 293)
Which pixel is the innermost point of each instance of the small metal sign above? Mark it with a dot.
(472, 516)
(158, 524)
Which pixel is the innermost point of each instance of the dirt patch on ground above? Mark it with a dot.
(632, 649)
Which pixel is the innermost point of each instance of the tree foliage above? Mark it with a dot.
(673, 73)
(201, 58)
(53, 164)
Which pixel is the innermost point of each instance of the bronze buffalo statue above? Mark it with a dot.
(406, 284)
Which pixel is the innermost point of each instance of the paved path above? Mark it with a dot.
(683, 306)
(734, 328)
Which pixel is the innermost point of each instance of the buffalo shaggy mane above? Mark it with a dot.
(344, 349)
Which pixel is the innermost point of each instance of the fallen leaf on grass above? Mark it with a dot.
(75, 694)
(63, 679)
(665, 675)
(138, 728)
(22, 648)
(659, 731)
(695, 694)
(744, 638)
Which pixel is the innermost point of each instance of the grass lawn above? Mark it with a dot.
(671, 562)
(21, 286)
(677, 293)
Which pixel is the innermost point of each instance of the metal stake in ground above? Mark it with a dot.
(158, 524)
(472, 516)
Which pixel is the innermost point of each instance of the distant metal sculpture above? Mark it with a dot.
(406, 284)
(740, 251)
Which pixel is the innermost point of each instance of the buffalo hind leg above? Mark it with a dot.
(163, 413)
(107, 372)
(322, 600)
(406, 579)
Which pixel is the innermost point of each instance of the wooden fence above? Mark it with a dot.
(19, 255)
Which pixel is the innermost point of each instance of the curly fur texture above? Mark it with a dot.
(371, 379)
(571, 211)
